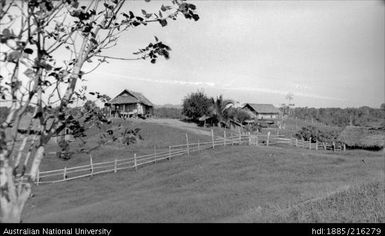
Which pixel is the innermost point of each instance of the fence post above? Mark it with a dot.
(316, 145)
(38, 177)
(268, 138)
(135, 165)
(240, 136)
(334, 146)
(65, 173)
(115, 165)
(310, 143)
(169, 152)
(212, 137)
(198, 145)
(296, 142)
(256, 139)
(224, 137)
(91, 165)
(248, 134)
(188, 146)
(344, 147)
(155, 152)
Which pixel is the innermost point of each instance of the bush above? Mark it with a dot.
(196, 105)
(238, 115)
(317, 134)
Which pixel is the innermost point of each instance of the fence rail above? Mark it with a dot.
(71, 173)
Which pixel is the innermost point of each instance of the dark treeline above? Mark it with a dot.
(362, 116)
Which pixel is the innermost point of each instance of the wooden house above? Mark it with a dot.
(130, 104)
(262, 111)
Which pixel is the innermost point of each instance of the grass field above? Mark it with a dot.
(155, 136)
(232, 184)
(358, 204)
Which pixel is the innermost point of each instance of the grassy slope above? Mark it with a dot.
(221, 185)
(363, 203)
(153, 135)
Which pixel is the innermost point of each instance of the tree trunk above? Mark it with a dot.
(12, 197)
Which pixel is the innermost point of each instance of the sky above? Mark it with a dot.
(325, 53)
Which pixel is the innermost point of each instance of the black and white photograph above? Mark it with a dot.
(192, 111)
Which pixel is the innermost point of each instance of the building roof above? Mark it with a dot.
(128, 96)
(262, 108)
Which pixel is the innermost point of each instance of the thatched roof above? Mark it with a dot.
(262, 108)
(356, 136)
(129, 97)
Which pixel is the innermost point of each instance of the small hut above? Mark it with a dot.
(361, 137)
(130, 104)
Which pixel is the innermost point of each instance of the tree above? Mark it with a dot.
(238, 114)
(219, 110)
(44, 48)
(317, 134)
(90, 105)
(196, 105)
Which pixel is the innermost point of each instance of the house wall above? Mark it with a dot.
(136, 108)
(267, 116)
(140, 108)
(124, 107)
(130, 107)
(260, 116)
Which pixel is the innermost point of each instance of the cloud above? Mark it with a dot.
(284, 92)
(222, 86)
(163, 81)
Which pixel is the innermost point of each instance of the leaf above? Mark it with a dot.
(28, 51)
(195, 17)
(6, 32)
(163, 22)
(135, 23)
(192, 6)
(147, 0)
(75, 4)
(13, 56)
(29, 73)
(156, 38)
(144, 12)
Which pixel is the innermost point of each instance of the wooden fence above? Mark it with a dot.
(91, 169)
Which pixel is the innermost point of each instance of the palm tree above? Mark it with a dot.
(218, 110)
